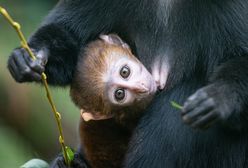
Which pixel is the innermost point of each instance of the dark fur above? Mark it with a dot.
(206, 45)
(105, 142)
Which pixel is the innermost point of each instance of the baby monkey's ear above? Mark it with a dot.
(87, 116)
(113, 39)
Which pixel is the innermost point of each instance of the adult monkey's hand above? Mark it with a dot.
(23, 68)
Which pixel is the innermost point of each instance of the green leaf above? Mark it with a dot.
(35, 163)
(70, 153)
(176, 105)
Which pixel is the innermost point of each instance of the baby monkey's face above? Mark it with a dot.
(128, 82)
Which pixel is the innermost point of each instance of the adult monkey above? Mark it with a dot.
(206, 46)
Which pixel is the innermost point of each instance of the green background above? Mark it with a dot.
(27, 125)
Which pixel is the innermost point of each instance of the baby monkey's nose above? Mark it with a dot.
(140, 88)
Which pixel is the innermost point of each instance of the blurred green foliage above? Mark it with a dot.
(27, 125)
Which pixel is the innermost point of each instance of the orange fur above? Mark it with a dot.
(87, 89)
(104, 142)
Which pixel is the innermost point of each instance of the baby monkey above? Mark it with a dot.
(112, 88)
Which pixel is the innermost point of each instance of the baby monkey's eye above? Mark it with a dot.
(125, 71)
(119, 94)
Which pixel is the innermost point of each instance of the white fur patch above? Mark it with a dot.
(164, 10)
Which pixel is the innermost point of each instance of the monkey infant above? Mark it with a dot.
(111, 87)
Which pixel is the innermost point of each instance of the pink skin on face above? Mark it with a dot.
(139, 85)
